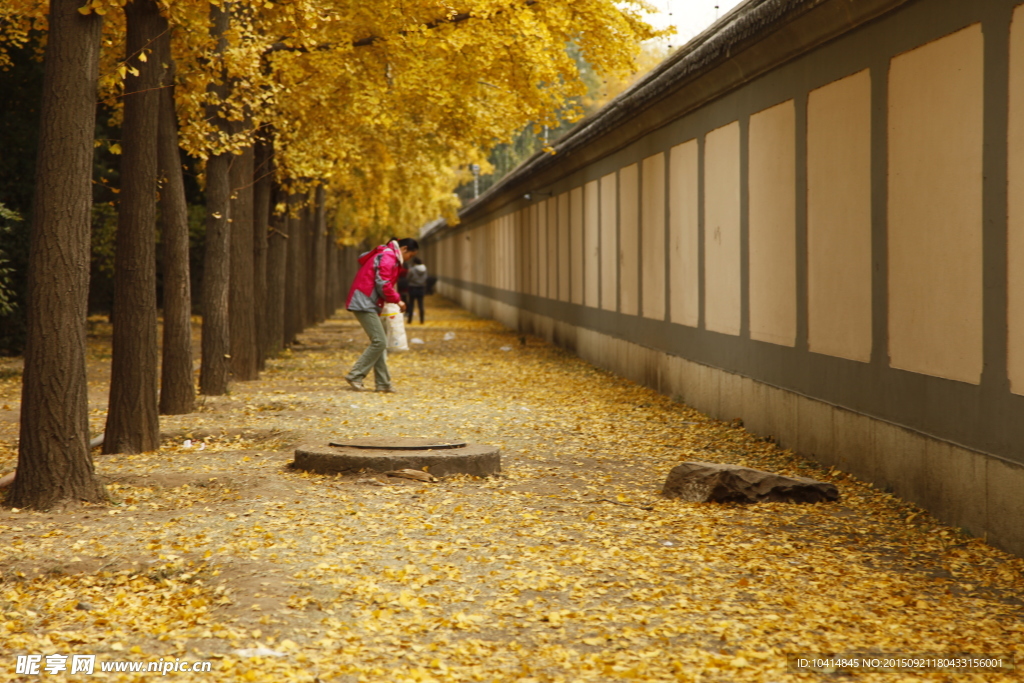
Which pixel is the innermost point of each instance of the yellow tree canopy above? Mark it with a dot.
(388, 102)
(383, 101)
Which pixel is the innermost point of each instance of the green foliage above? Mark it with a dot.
(21, 84)
(8, 295)
(104, 232)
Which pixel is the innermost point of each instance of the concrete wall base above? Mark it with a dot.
(963, 488)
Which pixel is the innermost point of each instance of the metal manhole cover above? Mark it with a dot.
(479, 460)
(398, 443)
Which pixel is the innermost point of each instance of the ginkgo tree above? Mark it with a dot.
(369, 106)
(395, 99)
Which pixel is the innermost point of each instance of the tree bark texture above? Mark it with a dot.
(263, 189)
(216, 344)
(294, 274)
(341, 282)
(330, 275)
(133, 423)
(305, 264)
(177, 387)
(53, 452)
(277, 264)
(349, 268)
(319, 254)
(308, 245)
(241, 304)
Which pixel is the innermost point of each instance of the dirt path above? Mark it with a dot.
(534, 576)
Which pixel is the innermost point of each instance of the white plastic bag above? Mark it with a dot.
(394, 327)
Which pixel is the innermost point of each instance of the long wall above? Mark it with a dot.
(811, 219)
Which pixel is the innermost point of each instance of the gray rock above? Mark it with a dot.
(703, 482)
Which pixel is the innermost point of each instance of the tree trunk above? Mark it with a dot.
(263, 190)
(349, 267)
(133, 424)
(177, 388)
(277, 264)
(294, 273)
(213, 376)
(310, 236)
(320, 257)
(53, 451)
(311, 242)
(241, 306)
(329, 274)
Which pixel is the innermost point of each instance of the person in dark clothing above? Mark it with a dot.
(417, 282)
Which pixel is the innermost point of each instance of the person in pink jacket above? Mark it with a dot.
(373, 286)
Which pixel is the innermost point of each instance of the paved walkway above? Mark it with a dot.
(570, 567)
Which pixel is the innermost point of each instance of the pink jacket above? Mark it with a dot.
(375, 281)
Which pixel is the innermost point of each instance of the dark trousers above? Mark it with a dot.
(415, 294)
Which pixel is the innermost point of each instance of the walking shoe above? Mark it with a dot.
(356, 384)
(390, 389)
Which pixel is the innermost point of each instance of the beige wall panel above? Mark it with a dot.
(514, 254)
(489, 257)
(684, 285)
(529, 251)
(839, 218)
(469, 254)
(935, 186)
(609, 243)
(464, 245)
(533, 265)
(503, 253)
(772, 237)
(456, 256)
(493, 274)
(507, 251)
(591, 251)
(652, 241)
(493, 253)
(524, 251)
(564, 260)
(525, 242)
(486, 260)
(477, 252)
(489, 262)
(552, 246)
(492, 259)
(492, 268)
(511, 250)
(542, 249)
(1015, 207)
(722, 229)
(629, 224)
(577, 246)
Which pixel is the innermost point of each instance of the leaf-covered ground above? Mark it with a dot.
(569, 567)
